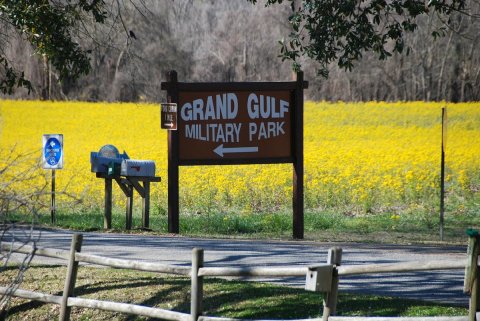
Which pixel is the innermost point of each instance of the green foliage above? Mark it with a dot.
(49, 27)
(342, 31)
(11, 79)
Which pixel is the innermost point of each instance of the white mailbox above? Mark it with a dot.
(132, 167)
(319, 278)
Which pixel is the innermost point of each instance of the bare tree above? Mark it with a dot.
(240, 42)
(444, 69)
(24, 193)
(236, 41)
(19, 170)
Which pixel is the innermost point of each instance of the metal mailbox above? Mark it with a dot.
(132, 167)
(108, 160)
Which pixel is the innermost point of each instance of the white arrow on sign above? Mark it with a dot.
(220, 150)
(168, 124)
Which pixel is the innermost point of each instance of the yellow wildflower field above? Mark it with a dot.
(359, 157)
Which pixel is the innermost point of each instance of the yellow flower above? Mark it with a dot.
(357, 155)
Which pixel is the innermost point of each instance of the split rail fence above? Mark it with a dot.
(322, 278)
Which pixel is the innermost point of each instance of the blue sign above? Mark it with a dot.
(53, 151)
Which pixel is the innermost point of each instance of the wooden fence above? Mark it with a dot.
(323, 278)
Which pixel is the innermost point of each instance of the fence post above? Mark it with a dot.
(471, 285)
(71, 277)
(196, 305)
(330, 301)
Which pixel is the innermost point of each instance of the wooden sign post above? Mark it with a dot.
(236, 123)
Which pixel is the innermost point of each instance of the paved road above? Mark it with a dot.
(442, 286)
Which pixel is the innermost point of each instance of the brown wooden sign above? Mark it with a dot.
(236, 123)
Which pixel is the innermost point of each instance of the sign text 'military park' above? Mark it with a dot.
(227, 125)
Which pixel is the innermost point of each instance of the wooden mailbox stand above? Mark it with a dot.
(128, 184)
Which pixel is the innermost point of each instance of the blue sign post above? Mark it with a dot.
(52, 158)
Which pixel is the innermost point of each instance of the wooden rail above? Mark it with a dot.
(231, 319)
(100, 260)
(197, 272)
(133, 265)
(401, 267)
(27, 249)
(129, 308)
(448, 318)
(36, 296)
(97, 304)
(253, 271)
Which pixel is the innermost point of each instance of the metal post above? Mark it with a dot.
(52, 205)
(442, 195)
(442, 173)
(196, 306)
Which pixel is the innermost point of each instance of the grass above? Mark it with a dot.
(233, 299)
(319, 225)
